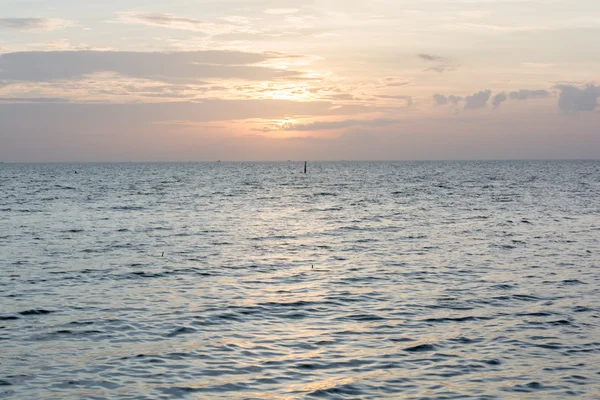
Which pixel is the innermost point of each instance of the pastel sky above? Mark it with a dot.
(184, 80)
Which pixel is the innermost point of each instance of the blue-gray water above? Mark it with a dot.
(431, 280)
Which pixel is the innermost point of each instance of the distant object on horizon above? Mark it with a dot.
(304, 166)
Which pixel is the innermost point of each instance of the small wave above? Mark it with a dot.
(184, 330)
(337, 391)
(560, 322)
(421, 348)
(186, 391)
(502, 287)
(536, 314)
(143, 274)
(529, 387)
(8, 318)
(127, 208)
(36, 312)
(325, 194)
(67, 333)
(458, 319)
(572, 282)
(401, 340)
(580, 309)
(364, 317)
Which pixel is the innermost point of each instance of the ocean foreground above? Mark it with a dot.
(370, 280)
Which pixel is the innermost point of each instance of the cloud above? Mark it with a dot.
(440, 100)
(429, 57)
(442, 64)
(34, 24)
(573, 99)
(529, 94)
(32, 100)
(499, 99)
(495, 28)
(477, 100)
(167, 66)
(480, 99)
(474, 14)
(395, 82)
(281, 11)
(408, 99)
(454, 100)
(537, 65)
(209, 110)
(347, 123)
(181, 23)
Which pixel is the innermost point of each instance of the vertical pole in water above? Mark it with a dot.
(304, 166)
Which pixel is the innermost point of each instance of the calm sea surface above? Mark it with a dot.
(431, 280)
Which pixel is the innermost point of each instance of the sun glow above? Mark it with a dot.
(287, 123)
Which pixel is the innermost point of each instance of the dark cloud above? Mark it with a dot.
(499, 99)
(33, 24)
(440, 69)
(442, 64)
(529, 94)
(440, 100)
(454, 100)
(573, 99)
(477, 100)
(430, 57)
(168, 67)
(481, 98)
(330, 125)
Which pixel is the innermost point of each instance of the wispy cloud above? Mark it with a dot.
(171, 21)
(34, 24)
(474, 14)
(441, 64)
(495, 28)
(429, 57)
(408, 99)
(537, 65)
(281, 11)
(333, 125)
(187, 67)
(394, 82)
(32, 100)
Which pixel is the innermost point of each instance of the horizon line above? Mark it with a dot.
(298, 161)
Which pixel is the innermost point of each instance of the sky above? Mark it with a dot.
(243, 80)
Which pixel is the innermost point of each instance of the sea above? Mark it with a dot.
(356, 280)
